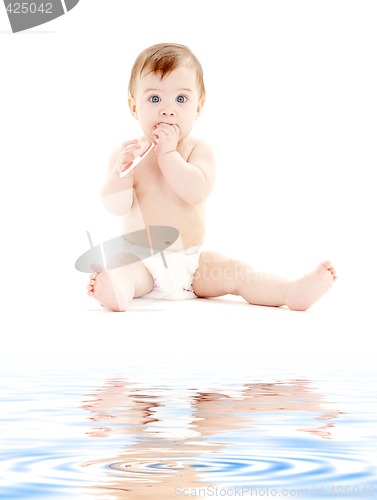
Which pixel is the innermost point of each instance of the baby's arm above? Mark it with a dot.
(191, 180)
(117, 193)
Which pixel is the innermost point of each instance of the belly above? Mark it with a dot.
(187, 219)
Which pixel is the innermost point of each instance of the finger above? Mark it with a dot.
(176, 129)
(128, 143)
(127, 155)
(130, 149)
(161, 131)
(168, 129)
(163, 126)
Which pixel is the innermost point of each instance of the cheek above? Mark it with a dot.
(145, 116)
(190, 117)
(143, 109)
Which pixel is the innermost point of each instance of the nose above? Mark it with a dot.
(167, 111)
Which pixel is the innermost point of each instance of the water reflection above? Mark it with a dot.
(175, 439)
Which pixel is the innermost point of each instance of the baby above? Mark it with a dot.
(170, 188)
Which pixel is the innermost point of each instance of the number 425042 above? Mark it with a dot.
(29, 8)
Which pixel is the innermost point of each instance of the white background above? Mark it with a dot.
(291, 113)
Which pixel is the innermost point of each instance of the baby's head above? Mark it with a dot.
(162, 59)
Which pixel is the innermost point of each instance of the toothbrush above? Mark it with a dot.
(132, 164)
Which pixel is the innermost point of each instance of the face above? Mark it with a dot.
(174, 100)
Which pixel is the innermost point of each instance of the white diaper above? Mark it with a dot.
(173, 274)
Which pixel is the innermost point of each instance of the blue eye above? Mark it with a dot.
(154, 98)
(181, 99)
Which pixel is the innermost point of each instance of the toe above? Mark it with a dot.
(331, 269)
(326, 264)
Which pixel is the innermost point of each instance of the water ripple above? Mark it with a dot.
(249, 470)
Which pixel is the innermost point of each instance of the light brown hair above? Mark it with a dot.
(162, 59)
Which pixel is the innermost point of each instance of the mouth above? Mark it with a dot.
(164, 123)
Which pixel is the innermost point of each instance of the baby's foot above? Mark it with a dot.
(102, 287)
(301, 294)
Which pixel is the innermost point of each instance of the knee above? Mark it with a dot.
(231, 274)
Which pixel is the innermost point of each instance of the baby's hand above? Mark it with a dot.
(126, 154)
(167, 136)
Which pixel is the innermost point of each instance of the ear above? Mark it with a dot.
(132, 106)
(200, 106)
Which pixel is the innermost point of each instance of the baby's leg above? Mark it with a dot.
(115, 288)
(218, 275)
